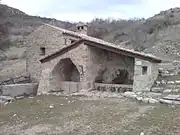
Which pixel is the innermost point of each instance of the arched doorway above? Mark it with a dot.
(65, 70)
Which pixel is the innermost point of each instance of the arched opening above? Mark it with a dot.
(65, 70)
(120, 76)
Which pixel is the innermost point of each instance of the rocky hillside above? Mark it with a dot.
(158, 35)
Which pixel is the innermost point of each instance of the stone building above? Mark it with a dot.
(62, 60)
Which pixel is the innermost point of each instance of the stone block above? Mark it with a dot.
(134, 96)
(171, 82)
(171, 97)
(167, 91)
(15, 90)
(153, 101)
(176, 102)
(128, 94)
(166, 101)
(177, 81)
(139, 98)
(145, 100)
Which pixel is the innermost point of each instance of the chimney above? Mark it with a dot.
(82, 28)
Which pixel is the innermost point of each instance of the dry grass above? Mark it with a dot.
(86, 116)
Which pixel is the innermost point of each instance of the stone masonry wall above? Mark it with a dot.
(47, 37)
(89, 63)
(79, 58)
(144, 81)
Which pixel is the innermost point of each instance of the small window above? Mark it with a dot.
(72, 41)
(42, 51)
(144, 70)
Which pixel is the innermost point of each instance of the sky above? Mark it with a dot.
(87, 10)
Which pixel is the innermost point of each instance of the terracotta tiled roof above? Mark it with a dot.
(106, 44)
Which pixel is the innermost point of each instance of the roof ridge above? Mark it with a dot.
(100, 41)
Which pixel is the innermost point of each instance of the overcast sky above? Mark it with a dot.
(86, 10)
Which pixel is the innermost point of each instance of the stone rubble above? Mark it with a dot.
(145, 97)
(51, 106)
(140, 97)
(153, 101)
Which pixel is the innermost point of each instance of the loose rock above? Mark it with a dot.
(145, 100)
(153, 101)
(139, 98)
(51, 106)
(20, 97)
(167, 91)
(166, 101)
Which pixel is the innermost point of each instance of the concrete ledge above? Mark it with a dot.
(15, 90)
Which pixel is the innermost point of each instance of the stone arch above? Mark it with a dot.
(119, 76)
(65, 70)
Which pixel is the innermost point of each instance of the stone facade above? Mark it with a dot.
(83, 65)
(49, 39)
(145, 75)
(90, 63)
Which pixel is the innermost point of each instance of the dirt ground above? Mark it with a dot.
(53, 115)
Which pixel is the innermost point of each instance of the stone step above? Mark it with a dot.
(169, 102)
(168, 81)
(172, 97)
(165, 90)
(157, 89)
(168, 86)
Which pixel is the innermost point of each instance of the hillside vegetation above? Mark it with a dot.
(154, 35)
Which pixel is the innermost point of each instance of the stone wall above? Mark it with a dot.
(15, 90)
(89, 63)
(50, 81)
(44, 37)
(112, 87)
(144, 78)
